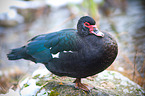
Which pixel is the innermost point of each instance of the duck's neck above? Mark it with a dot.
(82, 34)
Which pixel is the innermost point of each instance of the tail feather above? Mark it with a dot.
(19, 53)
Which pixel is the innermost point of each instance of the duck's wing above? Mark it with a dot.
(44, 47)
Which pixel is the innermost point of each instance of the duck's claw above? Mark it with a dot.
(79, 85)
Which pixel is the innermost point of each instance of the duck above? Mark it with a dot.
(76, 53)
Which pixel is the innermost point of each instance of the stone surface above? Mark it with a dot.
(23, 12)
(106, 83)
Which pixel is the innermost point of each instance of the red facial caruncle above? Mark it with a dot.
(93, 29)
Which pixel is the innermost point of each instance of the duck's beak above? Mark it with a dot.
(97, 32)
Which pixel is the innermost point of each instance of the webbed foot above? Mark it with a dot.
(79, 85)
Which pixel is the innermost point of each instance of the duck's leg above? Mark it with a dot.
(78, 84)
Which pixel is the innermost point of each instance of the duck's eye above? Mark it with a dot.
(87, 24)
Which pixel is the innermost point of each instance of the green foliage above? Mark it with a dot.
(92, 9)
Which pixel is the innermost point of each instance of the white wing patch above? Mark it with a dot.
(55, 55)
(68, 51)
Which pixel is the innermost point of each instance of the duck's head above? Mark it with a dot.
(86, 26)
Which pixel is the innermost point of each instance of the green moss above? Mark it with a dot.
(105, 75)
(113, 74)
(53, 93)
(54, 88)
(54, 77)
(44, 93)
(26, 85)
(40, 83)
(36, 76)
(138, 89)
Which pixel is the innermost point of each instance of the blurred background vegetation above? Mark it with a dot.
(21, 20)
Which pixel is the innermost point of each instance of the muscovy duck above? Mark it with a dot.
(75, 53)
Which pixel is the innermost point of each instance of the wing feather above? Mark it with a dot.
(43, 46)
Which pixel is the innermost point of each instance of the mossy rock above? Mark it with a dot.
(106, 83)
(55, 88)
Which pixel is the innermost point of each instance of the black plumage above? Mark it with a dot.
(80, 53)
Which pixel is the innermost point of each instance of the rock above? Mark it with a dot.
(10, 18)
(106, 83)
(23, 12)
(32, 10)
